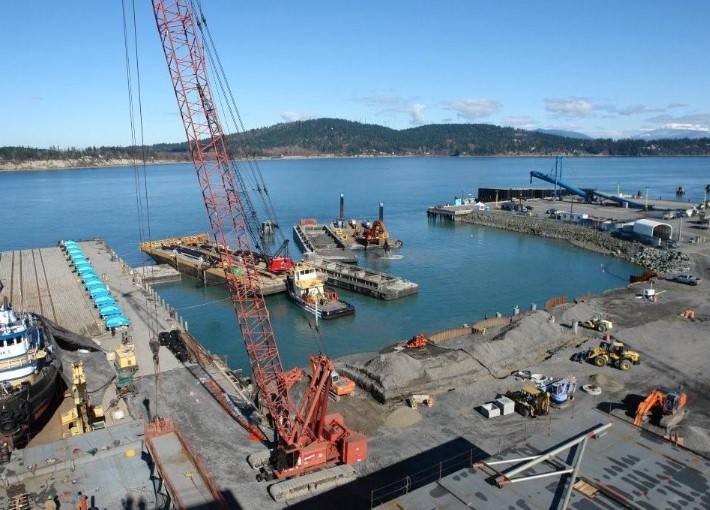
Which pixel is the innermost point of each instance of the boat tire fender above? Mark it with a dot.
(7, 426)
(6, 415)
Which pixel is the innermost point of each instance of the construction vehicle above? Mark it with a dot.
(307, 438)
(613, 353)
(562, 390)
(666, 404)
(83, 417)
(340, 385)
(376, 234)
(416, 342)
(597, 324)
(530, 401)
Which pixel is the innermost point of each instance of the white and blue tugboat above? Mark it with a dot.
(28, 374)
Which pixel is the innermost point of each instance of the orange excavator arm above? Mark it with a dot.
(654, 398)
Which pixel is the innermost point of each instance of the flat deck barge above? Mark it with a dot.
(364, 281)
(194, 257)
(106, 464)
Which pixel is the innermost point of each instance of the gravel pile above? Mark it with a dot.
(523, 343)
(466, 359)
(402, 417)
(575, 312)
(606, 382)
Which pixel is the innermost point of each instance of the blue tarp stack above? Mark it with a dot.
(98, 291)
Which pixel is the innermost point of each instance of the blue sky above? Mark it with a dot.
(604, 68)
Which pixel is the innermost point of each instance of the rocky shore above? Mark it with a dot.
(661, 261)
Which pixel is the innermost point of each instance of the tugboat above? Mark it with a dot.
(28, 374)
(307, 289)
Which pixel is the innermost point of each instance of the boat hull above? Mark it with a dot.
(326, 311)
(21, 410)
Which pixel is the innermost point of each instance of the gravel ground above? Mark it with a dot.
(465, 372)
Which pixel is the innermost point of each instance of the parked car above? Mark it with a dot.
(687, 279)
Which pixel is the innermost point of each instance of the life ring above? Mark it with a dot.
(7, 426)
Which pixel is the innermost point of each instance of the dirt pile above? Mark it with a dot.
(464, 359)
(402, 417)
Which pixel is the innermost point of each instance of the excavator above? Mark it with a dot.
(376, 234)
(416, 342)
(665, 403)
(307, 439)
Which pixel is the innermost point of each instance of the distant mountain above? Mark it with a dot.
(672, 134)
(338, 137)
(565, 133)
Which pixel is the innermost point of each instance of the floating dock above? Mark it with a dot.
(364, 281)
(106, 464)
(193, 257)
(324, 242)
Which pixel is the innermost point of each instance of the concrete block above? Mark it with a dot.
(505, 405)
(489, 410)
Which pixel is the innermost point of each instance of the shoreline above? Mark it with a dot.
(82, 164)
(661, 261)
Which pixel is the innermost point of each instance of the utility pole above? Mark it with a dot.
(645, 207)
(680, 230)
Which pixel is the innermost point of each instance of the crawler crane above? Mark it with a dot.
(307, 438)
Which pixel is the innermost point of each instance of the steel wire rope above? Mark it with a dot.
(224, 91)
(139, 171)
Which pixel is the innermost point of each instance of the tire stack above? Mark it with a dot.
(173, 341)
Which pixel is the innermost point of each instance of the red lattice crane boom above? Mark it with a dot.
(307, 438)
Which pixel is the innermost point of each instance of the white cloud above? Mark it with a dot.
(473, 109)
(575, 107)
(636, 109)
(394, 105)
(416, 113)
(294, 116)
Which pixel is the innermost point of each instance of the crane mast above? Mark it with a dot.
(306, 438)
(225, 210)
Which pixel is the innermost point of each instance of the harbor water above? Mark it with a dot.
(464, 271)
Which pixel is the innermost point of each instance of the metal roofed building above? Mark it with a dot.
(652, 228)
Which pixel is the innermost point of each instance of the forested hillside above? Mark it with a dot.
(336, 137)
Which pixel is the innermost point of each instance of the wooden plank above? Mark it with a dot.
(30, 296)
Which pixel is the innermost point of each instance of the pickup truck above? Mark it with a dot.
(687, 279)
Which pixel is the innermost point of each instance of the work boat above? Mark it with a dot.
(306, 288)
(28, 374)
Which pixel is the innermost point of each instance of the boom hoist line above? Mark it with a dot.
(306, 439)
(278, 259)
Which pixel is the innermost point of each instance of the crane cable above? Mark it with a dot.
(224, 92)
(139, 169)
(225, 95)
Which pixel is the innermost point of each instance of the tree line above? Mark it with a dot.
(337, 137)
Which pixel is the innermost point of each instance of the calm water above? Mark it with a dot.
(463, 271)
